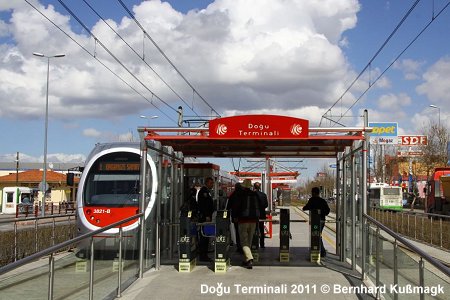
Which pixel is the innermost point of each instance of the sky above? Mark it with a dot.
(287, 57)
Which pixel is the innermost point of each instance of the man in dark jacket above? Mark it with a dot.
(247, 208)
(232, 206)
(205, 210)
(263, 204)
(316, 202)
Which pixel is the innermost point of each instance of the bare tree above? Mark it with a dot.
(384, 157)
(435, 153)
(326, 180)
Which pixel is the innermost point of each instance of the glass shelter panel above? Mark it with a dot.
(348, 206)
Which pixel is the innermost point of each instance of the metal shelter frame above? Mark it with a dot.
(349, 145)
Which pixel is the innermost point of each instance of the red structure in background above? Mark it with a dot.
(278, 179)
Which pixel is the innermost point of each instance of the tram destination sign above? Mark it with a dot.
(259, 127)
(118, 166)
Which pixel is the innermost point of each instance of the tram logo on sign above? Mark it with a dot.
(221, 129)
(296, 129)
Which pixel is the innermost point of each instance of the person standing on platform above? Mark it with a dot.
(248, 215)
(190, 204)
(232, 206)
(205, 210)
(317, 202)
(263, 204)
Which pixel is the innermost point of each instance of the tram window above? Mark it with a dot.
(112, 189)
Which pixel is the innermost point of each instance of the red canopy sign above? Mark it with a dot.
(259, 126)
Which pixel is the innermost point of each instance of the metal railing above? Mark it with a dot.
(393, 269)
(70, 269)
(30, 209)
(429, 228)
(25, 236)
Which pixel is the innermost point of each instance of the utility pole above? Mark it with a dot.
(17, 169)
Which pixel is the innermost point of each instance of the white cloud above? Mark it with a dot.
(392, 102)
(311, 113)
(91, 132)
(4, 29)
(387, 116)
(241, 55)
(409, 67)
(66, 158)
(51, 158)
(435, 85)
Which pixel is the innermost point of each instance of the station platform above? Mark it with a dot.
(269, 279)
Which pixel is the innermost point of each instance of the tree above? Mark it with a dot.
(385, 158)
(435, 153)
(326, 180)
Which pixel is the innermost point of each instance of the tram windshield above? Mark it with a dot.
(113, 181)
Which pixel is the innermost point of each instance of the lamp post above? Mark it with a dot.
(439, 113)
(44, 175)
(148, 118)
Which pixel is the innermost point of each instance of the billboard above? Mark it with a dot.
(384, 133)
(412, 140)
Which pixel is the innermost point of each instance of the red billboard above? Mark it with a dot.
(412, 140)
(259, 127)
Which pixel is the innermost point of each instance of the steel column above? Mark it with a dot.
(143, 196)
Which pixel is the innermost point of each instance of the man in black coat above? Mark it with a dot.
(263, 204)
(316, 202)
(232, 205)
(205, 210)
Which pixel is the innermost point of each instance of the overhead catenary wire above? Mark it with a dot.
(98, 60)
(138, 55)
(369, 63)
(112, 55)
(166, 57)
(396, 58)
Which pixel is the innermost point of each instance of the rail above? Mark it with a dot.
(52, 269)
(50, 208)
(428, 228)
(382, 259)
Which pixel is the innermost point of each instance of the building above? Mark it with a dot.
(58, 190)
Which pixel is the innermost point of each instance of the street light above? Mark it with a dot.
(439, 113)
(44, 175)
(148, 118)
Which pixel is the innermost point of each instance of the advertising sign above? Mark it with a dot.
(412, 140)
(259, 126)
(384, 133)
(416, 153)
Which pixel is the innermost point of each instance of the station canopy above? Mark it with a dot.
(256, 136)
